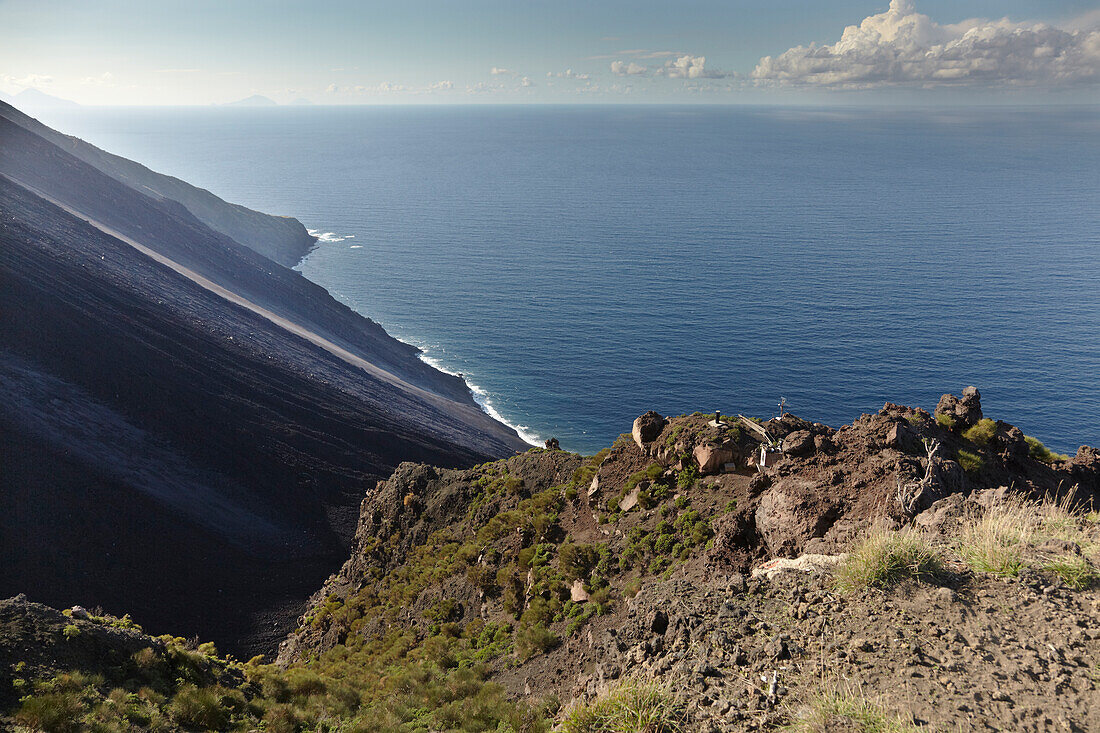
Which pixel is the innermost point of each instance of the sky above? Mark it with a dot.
(200, 52)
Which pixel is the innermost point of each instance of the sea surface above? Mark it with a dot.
(581, 265)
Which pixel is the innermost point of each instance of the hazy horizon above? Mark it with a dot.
(867, 52)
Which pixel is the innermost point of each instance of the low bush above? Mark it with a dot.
(1040, 452)
(970, 461)
(981, 432)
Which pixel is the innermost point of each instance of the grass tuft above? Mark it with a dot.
(995, 543)
(1076, 572)
(884, 558)
(1040, 452)
(631, 707)
(836, 710)
(999, 541)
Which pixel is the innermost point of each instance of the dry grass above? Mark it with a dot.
(1003, 540)
(836, 708)
(884, 558)
(631, 707)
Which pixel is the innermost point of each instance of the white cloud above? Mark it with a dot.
(441, 86)
(902, 46)
(526, 82)
(331, 89)
(30, 80)
(498, 71)
(106, 79)
(622, 68)
(567, 74)
(685, 67)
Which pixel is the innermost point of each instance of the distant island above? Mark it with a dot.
(35, 99)
(256, 100)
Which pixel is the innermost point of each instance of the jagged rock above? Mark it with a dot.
(989, 497)
(902, 437)
(79, 612)
(799, 443)
(712, 458)
(647, 427)
(1010, 441)
(577, 592)
(965, 411)
(942, 513)
(657, 621)
(553, 444)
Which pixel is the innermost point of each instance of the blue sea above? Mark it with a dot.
(581, 265)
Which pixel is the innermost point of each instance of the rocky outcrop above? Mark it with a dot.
(647, 427)
(962, 412)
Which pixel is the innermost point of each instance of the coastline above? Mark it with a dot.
(480, 395)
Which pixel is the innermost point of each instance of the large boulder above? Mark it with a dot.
(962, 412)
(792, 513)
(799, 443)
(647, 427)
(712, 457)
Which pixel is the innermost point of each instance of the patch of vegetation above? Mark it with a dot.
(687, 478)
(1002, 540)
(669, 541)
(981, 432)
(848, 710)
(994, 544)
(1040, 452)
(1075, 571)
(946, 421)
(884, 558)
(631, 707)
(971, 462)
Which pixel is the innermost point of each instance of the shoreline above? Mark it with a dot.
(480, 395)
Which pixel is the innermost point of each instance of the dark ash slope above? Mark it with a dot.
(169, 453)
(279, 238)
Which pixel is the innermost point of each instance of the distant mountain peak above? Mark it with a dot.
(32, 97)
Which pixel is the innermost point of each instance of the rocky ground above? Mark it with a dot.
(910, 571)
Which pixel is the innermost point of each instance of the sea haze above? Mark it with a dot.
(581, 265)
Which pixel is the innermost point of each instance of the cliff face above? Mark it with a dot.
(279, 238)
(187, 427)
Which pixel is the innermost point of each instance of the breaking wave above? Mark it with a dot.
(484, 401)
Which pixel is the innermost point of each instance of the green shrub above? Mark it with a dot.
(884, 558)
(971, 462)
(199, 707)
(1040, 452)
(52, 712)
(687, 478)
(534, 639)
(981, 432)
(577, 560)
(71, 631)
(947, 421)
